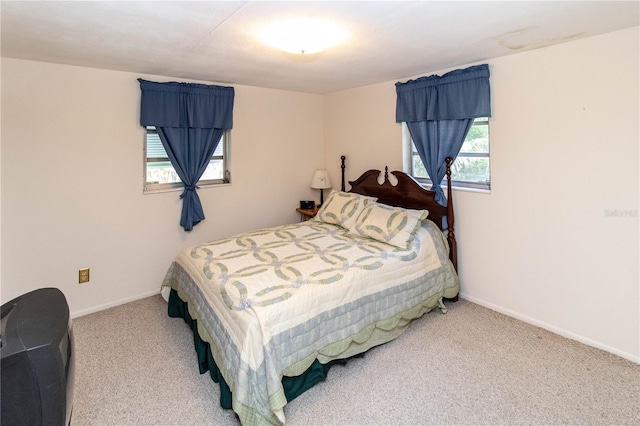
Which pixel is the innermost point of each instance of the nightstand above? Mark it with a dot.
(306, 214)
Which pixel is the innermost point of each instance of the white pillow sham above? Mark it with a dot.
(343, 208)
(392, 225)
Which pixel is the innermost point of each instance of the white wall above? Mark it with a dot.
(72, 194)
(540, 247)
(564, 153)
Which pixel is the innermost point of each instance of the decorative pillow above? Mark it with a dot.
(343, 208)
(391, 225)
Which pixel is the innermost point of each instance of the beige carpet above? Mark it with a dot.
(471, 366)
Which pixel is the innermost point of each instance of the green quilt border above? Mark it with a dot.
(293, 386)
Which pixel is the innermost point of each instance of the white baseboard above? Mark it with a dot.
(98, 308)
(508, 312)
(553, 329)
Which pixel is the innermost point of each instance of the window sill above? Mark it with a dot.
(458, 188)
(462, 188)
(203, 186)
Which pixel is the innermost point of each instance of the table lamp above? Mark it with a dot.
(321, 181)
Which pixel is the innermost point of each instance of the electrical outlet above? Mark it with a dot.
(83, 275)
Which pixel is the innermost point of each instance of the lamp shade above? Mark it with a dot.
(321, 180)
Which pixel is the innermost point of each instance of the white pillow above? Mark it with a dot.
(391, 225)
(343, 208)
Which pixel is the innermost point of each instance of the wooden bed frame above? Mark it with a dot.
(409, 194)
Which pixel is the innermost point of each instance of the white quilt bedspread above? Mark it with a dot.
(270, 302)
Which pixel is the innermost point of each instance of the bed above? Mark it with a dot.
(272, 310)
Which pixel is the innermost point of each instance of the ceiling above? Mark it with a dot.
(218, 41)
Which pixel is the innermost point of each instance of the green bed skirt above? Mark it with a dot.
(293, 386)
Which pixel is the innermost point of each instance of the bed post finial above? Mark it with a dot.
(342, 158)
(451, 236)
(386, 173)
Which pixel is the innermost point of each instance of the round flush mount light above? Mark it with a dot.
(303, 36)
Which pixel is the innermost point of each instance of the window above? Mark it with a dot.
(160, 175)
(471, 167)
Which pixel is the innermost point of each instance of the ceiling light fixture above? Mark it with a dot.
(303, 36)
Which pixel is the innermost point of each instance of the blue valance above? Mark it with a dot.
(186, 105)
(456, 95)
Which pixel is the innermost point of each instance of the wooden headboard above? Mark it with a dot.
(409, 194)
